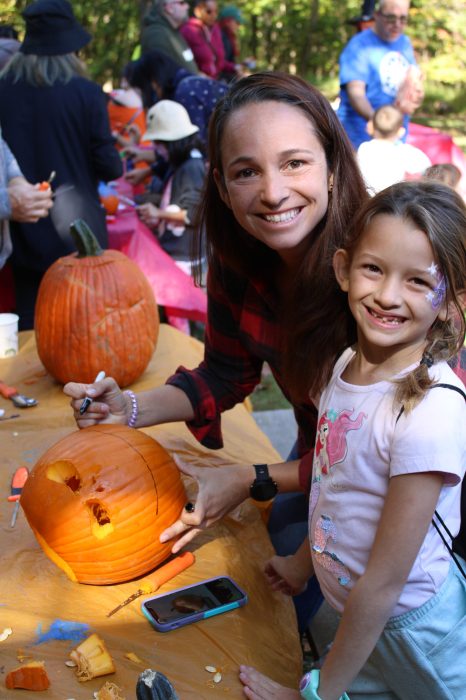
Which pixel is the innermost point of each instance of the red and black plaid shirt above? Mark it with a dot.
(242, 333)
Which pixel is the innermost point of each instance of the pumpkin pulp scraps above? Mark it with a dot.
(31, 676)
(92, 659)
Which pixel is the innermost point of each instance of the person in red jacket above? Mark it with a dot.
(204, 36)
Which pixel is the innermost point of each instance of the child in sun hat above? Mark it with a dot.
(175, 136)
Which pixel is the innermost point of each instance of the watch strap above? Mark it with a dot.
(262, 472)
(309, 686)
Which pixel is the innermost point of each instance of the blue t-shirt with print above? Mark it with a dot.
(381, 65)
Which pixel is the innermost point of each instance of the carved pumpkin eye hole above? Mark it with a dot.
(64, 473)
(101, 524)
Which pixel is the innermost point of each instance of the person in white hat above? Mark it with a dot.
(173, 221)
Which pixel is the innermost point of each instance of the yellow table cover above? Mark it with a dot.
(34, 592)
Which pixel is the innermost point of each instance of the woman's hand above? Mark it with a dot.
(220, 490)
(109, 403)
(149, 214)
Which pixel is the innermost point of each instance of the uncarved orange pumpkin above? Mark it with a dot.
(95, 311)
(98, 500)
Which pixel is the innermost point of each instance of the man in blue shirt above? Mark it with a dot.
(373, 66)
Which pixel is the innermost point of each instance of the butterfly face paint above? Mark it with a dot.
(437, 295)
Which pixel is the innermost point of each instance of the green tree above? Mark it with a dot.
(302, 36)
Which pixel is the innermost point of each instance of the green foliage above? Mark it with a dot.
(267, 396)
(300, 36)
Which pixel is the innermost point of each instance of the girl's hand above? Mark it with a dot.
(109, 403)
(149, 214)
(220, 490)
(137, 154)
(285, 575)
(259, 687)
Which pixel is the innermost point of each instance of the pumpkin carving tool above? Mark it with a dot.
(45, 185)
(17, 483)
(161, 576)
(19, 400)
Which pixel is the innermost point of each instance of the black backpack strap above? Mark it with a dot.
(436, 513)
(434, 386)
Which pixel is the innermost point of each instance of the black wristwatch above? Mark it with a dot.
(263, 488)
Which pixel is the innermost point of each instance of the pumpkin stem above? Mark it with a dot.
(85, 241)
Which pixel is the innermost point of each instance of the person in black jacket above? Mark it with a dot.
(54, 119)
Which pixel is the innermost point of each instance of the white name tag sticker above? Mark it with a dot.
(188, 55)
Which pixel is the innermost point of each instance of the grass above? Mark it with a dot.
(267, 396)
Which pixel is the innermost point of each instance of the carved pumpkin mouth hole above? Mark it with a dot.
(64, 473)
(101, 524)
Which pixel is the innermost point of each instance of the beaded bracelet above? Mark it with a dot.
(134, 408)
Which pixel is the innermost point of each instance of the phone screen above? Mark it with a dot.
(194, 600)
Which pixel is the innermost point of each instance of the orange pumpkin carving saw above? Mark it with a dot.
(95, 311)
(98, 500)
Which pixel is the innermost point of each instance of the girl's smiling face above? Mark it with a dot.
(275, 176)
(393, 287)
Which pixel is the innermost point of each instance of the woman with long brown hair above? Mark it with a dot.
(282, 188)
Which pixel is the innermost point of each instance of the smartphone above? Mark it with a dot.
(193, 603)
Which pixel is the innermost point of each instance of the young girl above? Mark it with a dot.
(391, 450)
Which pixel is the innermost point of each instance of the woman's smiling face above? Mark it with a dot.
(275, 176)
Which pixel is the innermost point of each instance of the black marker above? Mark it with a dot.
(87, 401)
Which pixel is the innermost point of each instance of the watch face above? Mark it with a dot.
(263, 490)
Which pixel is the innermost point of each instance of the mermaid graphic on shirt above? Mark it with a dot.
(331, 449)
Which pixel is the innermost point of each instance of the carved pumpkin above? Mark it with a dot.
(95, 311)
(98, 500)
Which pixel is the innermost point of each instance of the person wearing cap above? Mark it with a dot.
(229, 20)
(376, 66)
(171, 130)
(160, 31)
(202, 32)
(54, 119)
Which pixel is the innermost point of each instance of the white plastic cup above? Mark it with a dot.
(8, 335)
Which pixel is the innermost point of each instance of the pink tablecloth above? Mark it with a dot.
(173, 288)
(440, 147)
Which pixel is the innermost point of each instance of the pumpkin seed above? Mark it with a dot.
(217, 678)
(211, 669)
(5, 634)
